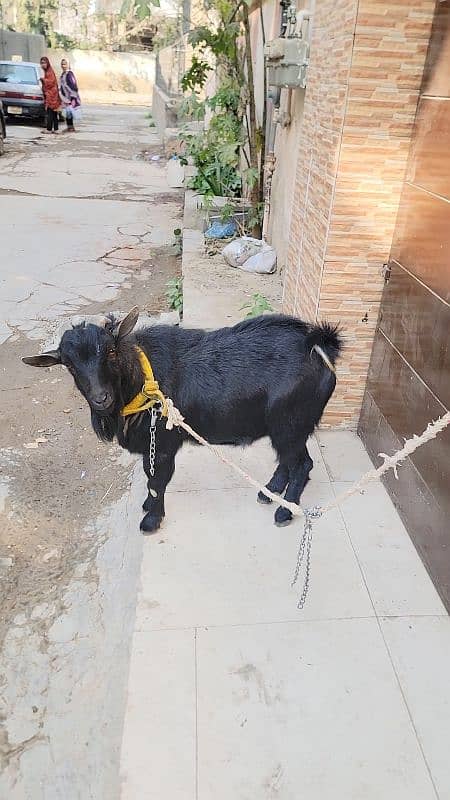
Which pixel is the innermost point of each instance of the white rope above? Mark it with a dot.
(392, 462)
(175, 419)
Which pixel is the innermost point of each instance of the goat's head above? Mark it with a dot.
(90, 353)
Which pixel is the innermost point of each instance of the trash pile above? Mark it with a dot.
(251, 255)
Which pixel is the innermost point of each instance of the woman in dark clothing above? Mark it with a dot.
(51, 95)
(69, 93)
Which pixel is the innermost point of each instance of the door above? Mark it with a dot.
(409, 376)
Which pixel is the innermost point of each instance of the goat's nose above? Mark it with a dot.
(100, 399)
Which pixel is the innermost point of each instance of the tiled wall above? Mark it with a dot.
(366, 67)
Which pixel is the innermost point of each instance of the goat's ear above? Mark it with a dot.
(126, 326)
(44, 360)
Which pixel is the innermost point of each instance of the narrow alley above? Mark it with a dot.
(178, 666)
(86, 226)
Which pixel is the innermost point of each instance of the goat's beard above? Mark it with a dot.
(104, 425)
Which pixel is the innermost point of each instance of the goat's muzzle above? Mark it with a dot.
(102, 403)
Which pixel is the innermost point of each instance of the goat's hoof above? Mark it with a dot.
(151, 523)
(282, 517)
(262, 498)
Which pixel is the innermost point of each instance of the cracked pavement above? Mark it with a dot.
(86, 226)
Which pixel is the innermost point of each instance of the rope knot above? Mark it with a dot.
(391, 461)
(174, 417)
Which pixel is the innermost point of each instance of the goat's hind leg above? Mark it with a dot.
(298, 478)
(277, 483)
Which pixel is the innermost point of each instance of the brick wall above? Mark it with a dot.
(366, 66)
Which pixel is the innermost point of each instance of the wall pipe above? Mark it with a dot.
(273, 120)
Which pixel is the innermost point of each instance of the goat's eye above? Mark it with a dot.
(111, 353)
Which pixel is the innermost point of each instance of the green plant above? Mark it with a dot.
(191, 108)
(36, 17)
(215, 154)
(257, 305)
(62, 41)
(233, 136)
(255, 216)
(196, 75)
(226, 212)
(174, 294)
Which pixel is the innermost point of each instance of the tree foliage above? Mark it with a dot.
(138, 9)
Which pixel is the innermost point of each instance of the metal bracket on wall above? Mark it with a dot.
(386, 272)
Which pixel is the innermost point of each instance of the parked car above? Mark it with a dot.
(2, 128)
(21, 90)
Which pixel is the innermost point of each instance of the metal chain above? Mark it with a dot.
(154, 413)
(304, 552)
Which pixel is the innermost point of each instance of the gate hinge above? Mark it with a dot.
(386, 272)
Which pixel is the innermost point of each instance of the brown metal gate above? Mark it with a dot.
(409, 377)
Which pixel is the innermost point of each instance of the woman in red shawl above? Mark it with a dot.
(51, 95)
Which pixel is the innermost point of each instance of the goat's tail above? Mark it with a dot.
(325, 341)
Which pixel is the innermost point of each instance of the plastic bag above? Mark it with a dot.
(251, 255)
(221, 230)
(72, 112)
(265, 261)
(236, 252)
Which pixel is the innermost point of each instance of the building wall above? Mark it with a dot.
(365, 70)
(287, 136)
(104, 76)
(287, 144)
(27, 45)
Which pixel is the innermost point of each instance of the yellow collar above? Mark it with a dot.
(150, 392)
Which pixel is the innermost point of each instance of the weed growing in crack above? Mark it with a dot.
(174, 294)
(257, 305)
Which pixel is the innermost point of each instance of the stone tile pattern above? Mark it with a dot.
(364, 77)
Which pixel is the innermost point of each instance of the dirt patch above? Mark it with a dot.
(58, 476)
(155, 153)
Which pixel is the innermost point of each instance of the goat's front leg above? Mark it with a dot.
(157, 483)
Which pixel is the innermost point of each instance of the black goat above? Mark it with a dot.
(269, 376)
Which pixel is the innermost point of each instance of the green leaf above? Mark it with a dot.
(142, 9)
(251, 176)
(126, 8)
(257, 305)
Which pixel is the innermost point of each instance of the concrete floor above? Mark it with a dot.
(234, 693)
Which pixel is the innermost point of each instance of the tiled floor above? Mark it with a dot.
(235, 694)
